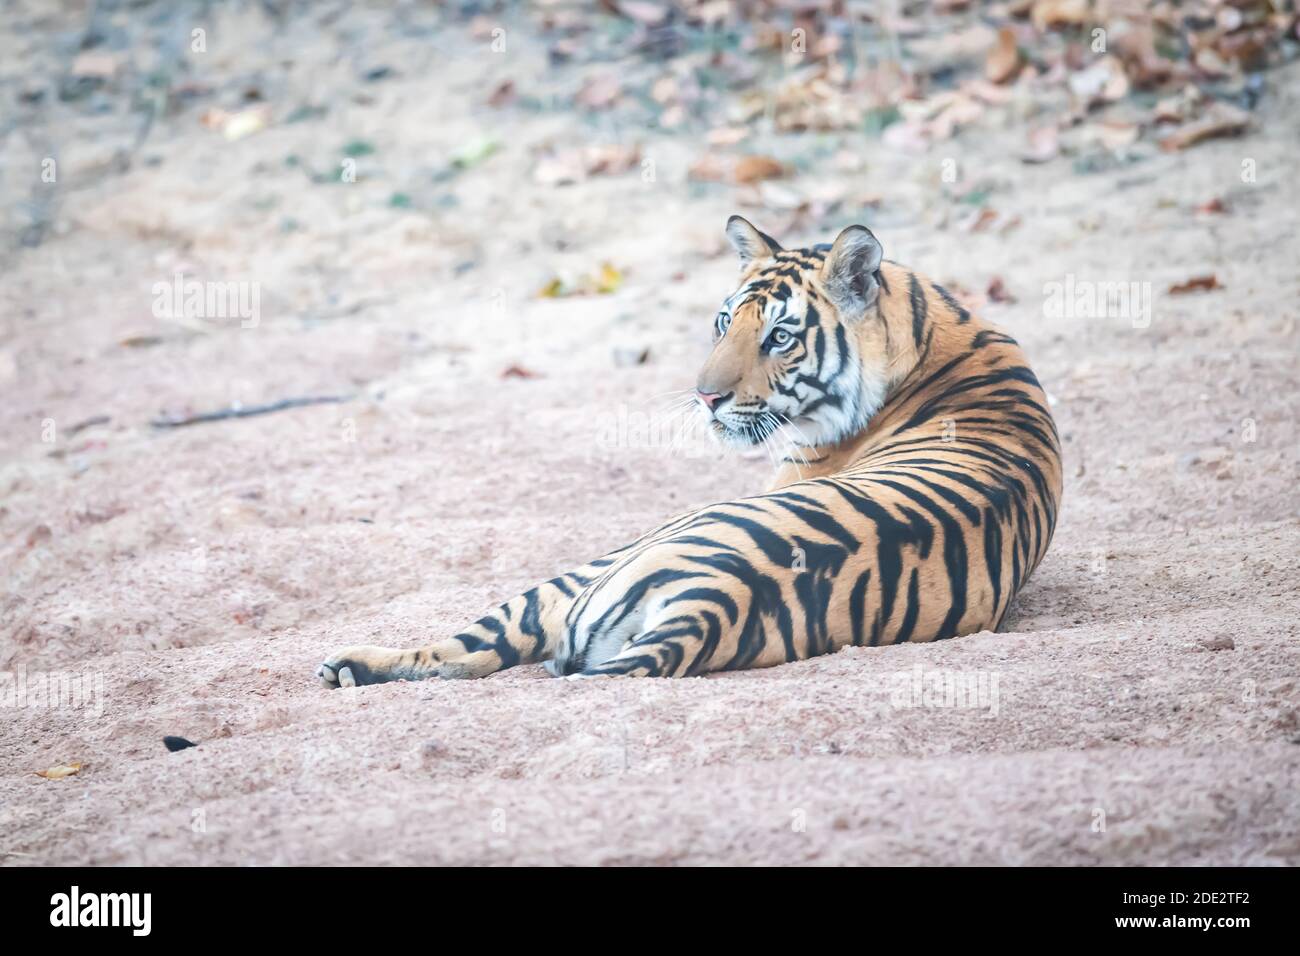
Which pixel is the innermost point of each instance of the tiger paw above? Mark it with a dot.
(357, 666)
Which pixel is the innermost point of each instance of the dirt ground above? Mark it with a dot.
(1147, 705)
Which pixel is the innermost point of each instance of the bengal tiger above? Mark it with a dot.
(923, 491)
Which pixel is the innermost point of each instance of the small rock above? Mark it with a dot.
(626, 357)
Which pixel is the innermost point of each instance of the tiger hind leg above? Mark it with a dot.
(524, 630)
(681, 646)
(684, 630)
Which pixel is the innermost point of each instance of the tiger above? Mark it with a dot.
(918, 492)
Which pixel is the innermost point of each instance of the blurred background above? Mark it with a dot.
(336, 322)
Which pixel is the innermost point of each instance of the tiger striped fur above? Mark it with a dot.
(925, 493)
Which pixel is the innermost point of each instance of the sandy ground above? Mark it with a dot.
(1147, 704)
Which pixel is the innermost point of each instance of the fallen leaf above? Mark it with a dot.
(1047, 14)
(602, 160)
(1196, 284)
(61, 771)
(1101, 82)
(1044, 145)
(744, 170)
(752, 169)
(651, 14)
(245, 123)
(997, 291)
(575, 165)
(599, 92)
(1210, 64)
(562, 170)
(518, 371)
(608, 280)
(1136, 46)
(980, 220)
(1221, 119)
(989, 93)
(474, 152)
(780, 197)
(95, 64)
(727, 135)
(552, 290)
(1116, 135)
(503, 94)
(1003, 62)
(605, 282)
(234, 126)
(710, 168)
(665, 90)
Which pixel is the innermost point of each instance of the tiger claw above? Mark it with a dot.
(333, 676)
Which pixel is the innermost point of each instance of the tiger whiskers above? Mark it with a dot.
(795, 446)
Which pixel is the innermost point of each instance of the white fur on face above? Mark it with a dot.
(815, 402)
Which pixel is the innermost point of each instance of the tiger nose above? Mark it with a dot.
(708, 398)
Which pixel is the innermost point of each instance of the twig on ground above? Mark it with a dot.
(247, 411)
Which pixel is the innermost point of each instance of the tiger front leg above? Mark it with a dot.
(524, 630)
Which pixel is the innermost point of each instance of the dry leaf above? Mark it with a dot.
(503, 94)
(1220, 119)
(727, 135)
(576, 165)
(665, 90)
(987, 92)
(61, 771)
(606, 281)
(1102, 82)
(715, 168)
(518, 371)
(600, 92)
(1003, 61)
(980, 220)
(1196, 284)
(752, 169)
(1116, 135)
(909, 137)
(651, 14)
(1047, 14)
(997, 291)
(95, 64)
(710, 168)
(780, 197)
(559, 170)
(607, 160)
(235, 126)
(1044, 145)
(1208, 62)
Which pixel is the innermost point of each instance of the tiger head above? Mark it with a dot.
(794, 352)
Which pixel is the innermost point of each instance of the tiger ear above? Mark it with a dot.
(749, 242)
(850, 270)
